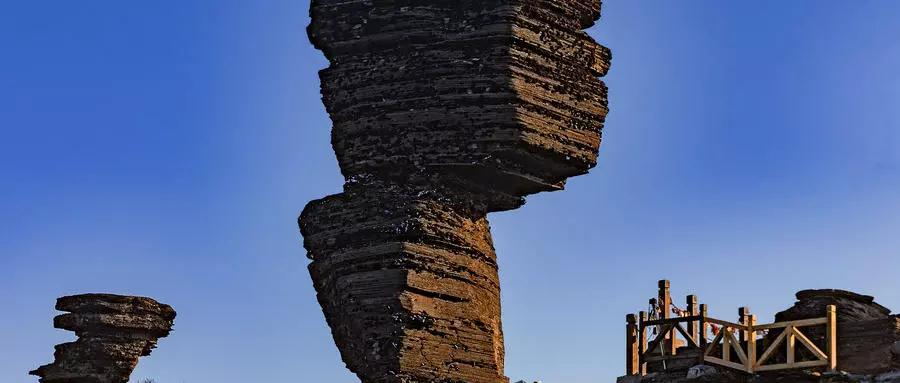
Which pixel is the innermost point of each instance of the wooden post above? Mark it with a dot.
(743, 318)
(632, 358)
(751, 343)
(831, 337)
(726, 345)
(642, 343)
(665, 305)
(703, 330)
(692, 326)
(664, 299)
(791, 343)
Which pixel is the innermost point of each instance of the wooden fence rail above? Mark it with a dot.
(733, 345)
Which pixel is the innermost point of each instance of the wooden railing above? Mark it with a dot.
(745, 346)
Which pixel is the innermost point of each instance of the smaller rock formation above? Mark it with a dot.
(866, 330)
(851, 307)
(113, 332)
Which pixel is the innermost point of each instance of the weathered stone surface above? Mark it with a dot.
(443, 112)
(851, 307)
(113, 332)
(864, 347)
(408, 283)
(890, 377)
(701, 370)
(479, 89)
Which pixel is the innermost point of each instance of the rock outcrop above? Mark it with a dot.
(851, 307)
(113, 332)
(866, 330)
(443, 112)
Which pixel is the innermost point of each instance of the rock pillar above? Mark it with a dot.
(113, 332)
(443, 112)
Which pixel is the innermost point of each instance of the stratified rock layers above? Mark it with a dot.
(443, 112)
(113, 332)
(408, 284)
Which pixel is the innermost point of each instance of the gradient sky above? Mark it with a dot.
(165, 148)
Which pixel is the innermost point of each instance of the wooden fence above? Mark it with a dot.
(745, 346)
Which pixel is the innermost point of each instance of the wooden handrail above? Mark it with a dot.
(660, 322)
(743, 346)
(795, 323)
(723, 323)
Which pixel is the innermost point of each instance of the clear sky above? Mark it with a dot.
(165, 148)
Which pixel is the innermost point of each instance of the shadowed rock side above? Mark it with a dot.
(113, 332)
(443, 112)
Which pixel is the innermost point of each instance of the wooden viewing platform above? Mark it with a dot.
(668, 336)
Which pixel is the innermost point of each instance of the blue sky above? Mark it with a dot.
(165, 149)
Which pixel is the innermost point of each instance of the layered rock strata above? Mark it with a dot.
(113, 332)
(443, 112)
(851, 307)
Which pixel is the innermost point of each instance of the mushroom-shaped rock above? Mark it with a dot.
(113, 332)
(443, 111)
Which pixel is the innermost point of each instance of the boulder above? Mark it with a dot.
(700, 370)
(851, 307)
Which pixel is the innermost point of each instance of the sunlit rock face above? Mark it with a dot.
(113, 332)
(443, 112)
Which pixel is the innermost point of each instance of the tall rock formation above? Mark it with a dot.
(113, 332)
(443, 112)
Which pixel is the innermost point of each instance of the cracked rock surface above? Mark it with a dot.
(443, 112)
(113, 332)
